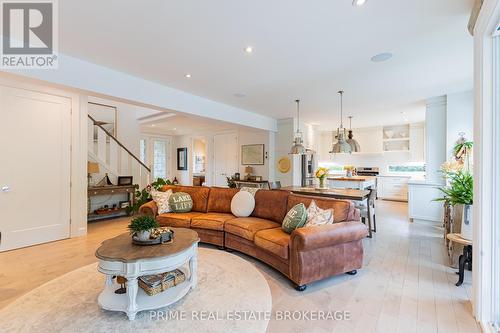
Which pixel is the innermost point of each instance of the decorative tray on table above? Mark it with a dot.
(158, 236)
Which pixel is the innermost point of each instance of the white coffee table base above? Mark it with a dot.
(136, 299)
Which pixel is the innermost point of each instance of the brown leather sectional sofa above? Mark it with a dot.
(306, 255)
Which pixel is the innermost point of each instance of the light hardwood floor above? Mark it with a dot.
(405, 285)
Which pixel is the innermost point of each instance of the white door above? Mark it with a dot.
(35, 137)
(225, 157)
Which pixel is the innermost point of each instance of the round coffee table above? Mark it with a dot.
(119, 257)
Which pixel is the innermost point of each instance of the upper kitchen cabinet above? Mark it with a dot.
(417, 142)
(396, 138)
(370, 139)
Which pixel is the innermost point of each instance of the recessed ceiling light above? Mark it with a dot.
(175, 129)
(187, 75)
(358, 3)
(382, 57)
(153, 125)
(248, 49)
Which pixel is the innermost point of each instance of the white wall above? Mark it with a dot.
(460, 118)
(245, 136)
(283, 142)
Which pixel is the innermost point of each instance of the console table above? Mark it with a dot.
(252, 183)
(110, 190)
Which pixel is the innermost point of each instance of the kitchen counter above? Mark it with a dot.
(357, 182)
(353, 178)
(337, 193)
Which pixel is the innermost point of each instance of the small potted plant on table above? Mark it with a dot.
(142, 226)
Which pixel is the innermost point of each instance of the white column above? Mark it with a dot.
(435, 122)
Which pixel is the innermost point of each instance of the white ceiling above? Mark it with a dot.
(303, 49)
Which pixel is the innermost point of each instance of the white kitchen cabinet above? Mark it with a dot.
(370, 139)
(417, 142)
(421, 204)
(392, 188)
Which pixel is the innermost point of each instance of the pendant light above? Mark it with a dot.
(355, 147)
(298, 147)
(341, 147)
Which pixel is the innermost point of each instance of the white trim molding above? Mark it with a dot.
(486, 257)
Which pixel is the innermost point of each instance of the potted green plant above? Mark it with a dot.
(460, 192)
(141, 226)
(144, 195)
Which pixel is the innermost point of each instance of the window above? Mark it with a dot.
(155, 153)
(412, 168)
(159, 159)
(143, 151)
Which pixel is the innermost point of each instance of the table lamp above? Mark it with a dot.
(92, 167)
(248, 171)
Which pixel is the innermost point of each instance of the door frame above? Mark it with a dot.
(486, 256)
(149, 152)
(78, 154)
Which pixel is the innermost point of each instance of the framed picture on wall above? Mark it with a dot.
(182, 158)
(252, 154)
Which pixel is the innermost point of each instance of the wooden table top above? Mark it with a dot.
(457, 238)
(337, 193)
(121, 248)
(353, 178)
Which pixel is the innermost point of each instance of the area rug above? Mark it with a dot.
(231, 296)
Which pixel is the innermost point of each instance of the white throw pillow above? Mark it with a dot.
(242, 204)
(161, 200)
(317, 216)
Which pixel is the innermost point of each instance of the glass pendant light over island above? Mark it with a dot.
(341, 146)
(298, 147)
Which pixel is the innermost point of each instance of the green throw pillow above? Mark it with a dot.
(180, 202)
(295, 218)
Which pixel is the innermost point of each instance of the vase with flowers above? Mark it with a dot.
(349, 170)
(321, 174)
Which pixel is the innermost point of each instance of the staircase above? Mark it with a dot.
(114, 158)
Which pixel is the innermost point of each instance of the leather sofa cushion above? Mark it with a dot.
(341, 208)
(180, 220)
(212, 221)
(246, 227)
(219, 199)
(199, 195)
(273, 240)
(271, 205)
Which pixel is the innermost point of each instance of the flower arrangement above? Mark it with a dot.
(349, 169)
(321, 174)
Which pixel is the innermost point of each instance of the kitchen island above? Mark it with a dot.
(355, 182)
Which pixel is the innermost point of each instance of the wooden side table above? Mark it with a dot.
(465, 257)
(119, 257)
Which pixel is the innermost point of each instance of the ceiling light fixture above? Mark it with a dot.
(355, 147)
(187, 75)
(298, 147)
(248, 49)
(382, 57)
(358, 3)
(341, 147)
